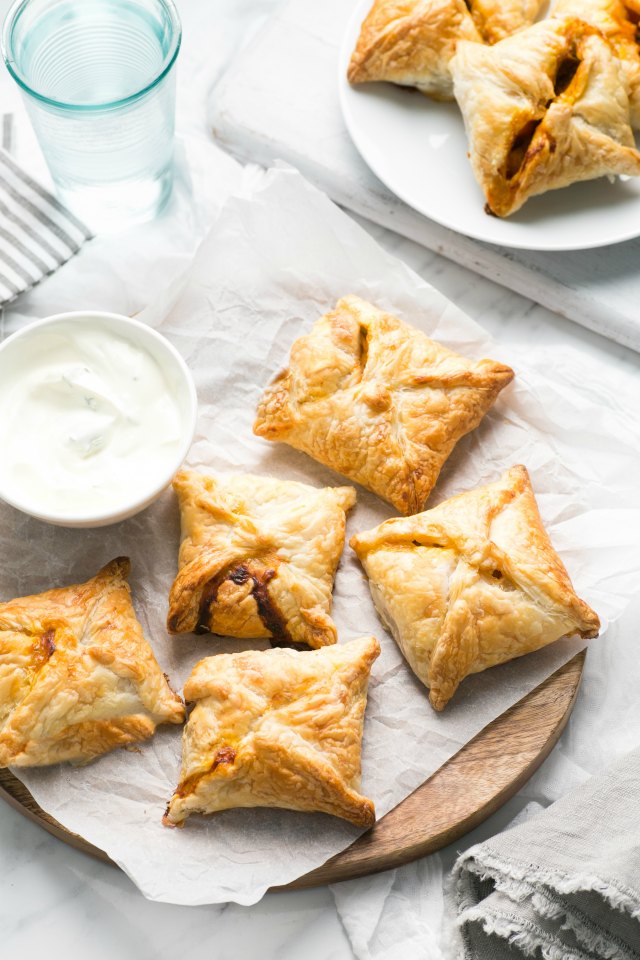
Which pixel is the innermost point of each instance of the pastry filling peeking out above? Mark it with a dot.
(260, 576)
(267, 609)
(225, 755)
(567, 69)
(634, 19)
(519, 148)
(363, 347)
(43, 648)
(521, 145)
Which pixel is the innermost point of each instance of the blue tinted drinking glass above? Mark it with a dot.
(98, 81)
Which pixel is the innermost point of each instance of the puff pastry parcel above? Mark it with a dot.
(411, 42)
(77, 677)
(543, 109)
(277, 728)
(258, 557)
(378, 401)
(472, 583)
(619, 22)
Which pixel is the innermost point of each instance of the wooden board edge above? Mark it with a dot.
(364, 857)
(22, 801)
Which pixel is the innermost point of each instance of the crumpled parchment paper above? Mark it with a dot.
(277, 257)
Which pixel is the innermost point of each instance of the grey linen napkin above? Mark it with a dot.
(564, 885)
(37, 232)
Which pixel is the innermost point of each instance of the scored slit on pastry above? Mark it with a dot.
(543, 110)
(619, 22)
(277, 728)
(377, 400)
(411, 42)
(77, 677)
(472, 583)
(258, 557)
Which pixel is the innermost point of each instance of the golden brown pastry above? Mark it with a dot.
(472, 583)
(277, 728)
(411, 42)
(258, 557)
(543, 109)
(497, 19)
(377, 400)
(619, 22)
(77, 677)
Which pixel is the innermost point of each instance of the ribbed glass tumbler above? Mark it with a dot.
(98, 81)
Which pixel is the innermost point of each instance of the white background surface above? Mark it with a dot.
(58, 903)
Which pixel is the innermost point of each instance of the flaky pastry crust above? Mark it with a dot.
(258, 557)
(619, 22)
(277, 728)
(543, 109)
(77, 677)
(471, 584)
(497, 19)
(377, 400)
(411, 42)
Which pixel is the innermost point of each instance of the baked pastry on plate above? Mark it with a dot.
(277, 728)
(618, 21)
(472, 583)
(543, 109)
(411, 42)
(77, 677)
(378, 401)
(258, 557)
(497, 19)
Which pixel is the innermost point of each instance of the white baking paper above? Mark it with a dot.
(278, 256)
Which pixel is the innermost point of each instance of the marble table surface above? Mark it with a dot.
(61, 903)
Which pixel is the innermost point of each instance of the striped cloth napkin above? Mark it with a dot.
(37, 232)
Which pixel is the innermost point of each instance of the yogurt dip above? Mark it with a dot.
(89, 419)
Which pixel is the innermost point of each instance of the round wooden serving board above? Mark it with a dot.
(471, 786)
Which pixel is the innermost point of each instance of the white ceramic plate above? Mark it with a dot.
(418, 148)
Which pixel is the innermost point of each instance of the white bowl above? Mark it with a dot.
(180, 386)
